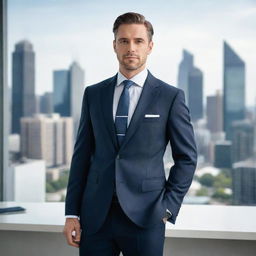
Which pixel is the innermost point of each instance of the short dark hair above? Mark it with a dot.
(133, 18)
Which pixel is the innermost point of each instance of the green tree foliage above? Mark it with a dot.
(207, 180)
(49, 188)
(202, 192)
(59, 184)
(220, 194)
(222, 181)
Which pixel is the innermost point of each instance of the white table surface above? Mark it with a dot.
(193, 221)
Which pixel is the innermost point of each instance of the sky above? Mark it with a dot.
(63, 31)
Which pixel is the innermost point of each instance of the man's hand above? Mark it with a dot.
(72, 224)
(164, 220)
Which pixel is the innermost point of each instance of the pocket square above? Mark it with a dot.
(150, 115)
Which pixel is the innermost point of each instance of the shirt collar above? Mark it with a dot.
(138, 79)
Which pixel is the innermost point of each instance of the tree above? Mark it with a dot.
(220, 194)
(222, 181)
(202, 192)
(207, 180)
(49, 188)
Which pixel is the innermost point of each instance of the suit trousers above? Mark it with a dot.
(119, 234)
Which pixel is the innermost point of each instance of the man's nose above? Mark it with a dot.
(131, 47)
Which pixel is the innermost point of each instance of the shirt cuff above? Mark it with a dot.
(72, 216)
(168, 213)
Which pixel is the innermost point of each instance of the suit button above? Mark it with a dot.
(118, 157)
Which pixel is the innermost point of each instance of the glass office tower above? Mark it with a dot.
(234, 89)
(23, 83)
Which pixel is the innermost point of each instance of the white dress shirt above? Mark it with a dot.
(134, 92)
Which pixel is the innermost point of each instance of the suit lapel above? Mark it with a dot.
(148, 95)
(107, 94)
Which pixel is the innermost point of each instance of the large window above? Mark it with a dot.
(56, 48)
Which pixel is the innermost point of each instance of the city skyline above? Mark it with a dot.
(40, 135)
(198, 33)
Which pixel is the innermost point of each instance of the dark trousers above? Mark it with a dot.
(120, 234)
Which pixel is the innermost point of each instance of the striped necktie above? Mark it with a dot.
(122, 112)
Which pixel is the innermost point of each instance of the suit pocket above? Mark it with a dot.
(151, 119)
(153, 184)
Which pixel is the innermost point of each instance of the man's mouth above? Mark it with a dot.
(131, 57)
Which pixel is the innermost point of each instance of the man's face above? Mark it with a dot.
(132, 46)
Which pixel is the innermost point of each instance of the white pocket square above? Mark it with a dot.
(149, 115)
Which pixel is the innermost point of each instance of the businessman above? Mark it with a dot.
(118, 198)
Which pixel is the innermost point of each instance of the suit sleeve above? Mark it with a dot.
(81, 159)
(184, 152)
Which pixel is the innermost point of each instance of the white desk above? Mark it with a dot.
(227, 229)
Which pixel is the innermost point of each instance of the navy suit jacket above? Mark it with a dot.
(136, 168)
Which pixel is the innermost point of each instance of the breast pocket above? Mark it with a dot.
(152, 118)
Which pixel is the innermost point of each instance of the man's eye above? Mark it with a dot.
(123, 41)
(139, 41)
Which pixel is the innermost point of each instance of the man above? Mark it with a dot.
(117, 185)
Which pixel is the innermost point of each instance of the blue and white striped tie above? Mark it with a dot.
(122, 112)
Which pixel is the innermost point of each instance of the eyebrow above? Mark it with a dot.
(124, 38)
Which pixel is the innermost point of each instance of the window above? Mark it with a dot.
(56, 48)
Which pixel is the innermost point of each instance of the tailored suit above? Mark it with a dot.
(135, 170)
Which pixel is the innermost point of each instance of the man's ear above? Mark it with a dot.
(150, 47)
(114, 45)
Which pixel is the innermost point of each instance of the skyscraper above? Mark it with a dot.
(190, 79)
(234, 89)
(47, 137)
(23, 83)
(46, 106)
(214, 112)
(222, 154)
(195, 93)
(68, 92)
(184, 68)
(242, 140)
(243, 182)
(76, 92)
(61, 92)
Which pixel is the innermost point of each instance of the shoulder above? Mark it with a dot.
(168, 89)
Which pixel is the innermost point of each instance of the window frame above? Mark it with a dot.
(3, 99)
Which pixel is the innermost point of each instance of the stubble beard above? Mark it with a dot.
(133, 66)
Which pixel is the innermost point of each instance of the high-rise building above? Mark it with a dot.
(234, 89)
(48, 137)
(23, 83)
(244, 182)
(242, 140)
(214, 112)
(68, 92)
(46, 103)
(190, 79)
(61, 92)
(76, 93)
(222, 154)
(195, 93)
(184, 68)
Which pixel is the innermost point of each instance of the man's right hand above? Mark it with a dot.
(72, 224)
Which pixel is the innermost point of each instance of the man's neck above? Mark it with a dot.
(131, 73)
